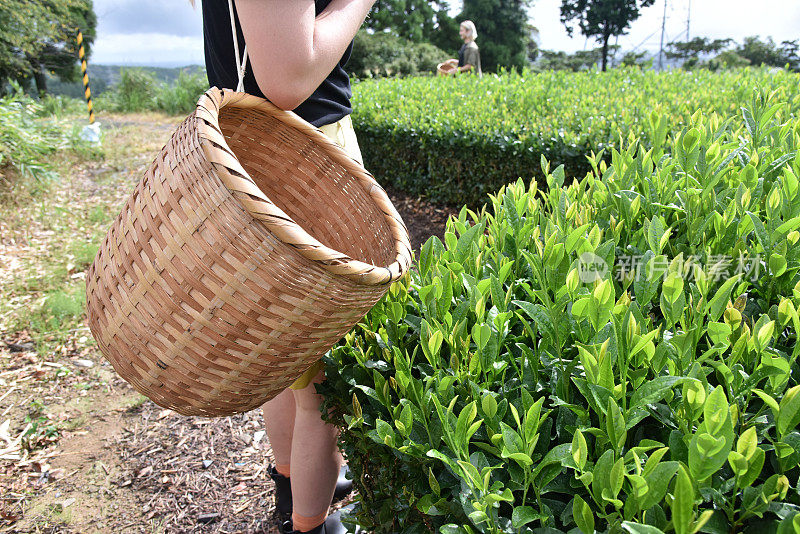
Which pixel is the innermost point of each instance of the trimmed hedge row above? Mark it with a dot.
(528, 376)
(457, 139)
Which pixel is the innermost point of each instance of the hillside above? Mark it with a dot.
(103, 76)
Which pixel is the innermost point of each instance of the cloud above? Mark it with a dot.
(173, 17)
(148, 48)
(170, 31)
(716, 19)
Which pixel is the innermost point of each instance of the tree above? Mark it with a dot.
(695, 48)
(38, 36)
(768, 53)
(601, 19)
(385, 54)
(415, 20)
(691, 52)
(503, 31)
(727, 59)
(533, 43)
(790, 50)
(580, 60)
(760, 52)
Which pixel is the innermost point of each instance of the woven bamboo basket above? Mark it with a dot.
(252, 244)
(445, 69)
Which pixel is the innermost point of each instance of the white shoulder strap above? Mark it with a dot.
(239, 67)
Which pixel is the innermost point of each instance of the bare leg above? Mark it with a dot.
(279, 414)
(315, 458)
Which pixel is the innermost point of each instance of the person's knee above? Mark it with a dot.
(307, 399)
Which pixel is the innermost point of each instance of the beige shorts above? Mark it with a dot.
(344, 135)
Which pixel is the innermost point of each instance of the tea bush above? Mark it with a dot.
(457, 139)
(615, 354)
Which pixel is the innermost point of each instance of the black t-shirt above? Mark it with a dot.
(329, 103)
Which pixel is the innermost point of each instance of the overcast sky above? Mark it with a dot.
(159, 32)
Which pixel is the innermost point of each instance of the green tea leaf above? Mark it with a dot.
(638, 486)
(520, 457)
(471, 474)
(760, 231)
(582, 514)
(481, 334)
(489, 405)
(426, 257)
(764, 334)
(554, 456)
(716, 410)
(738, 463)
(655, 390)
(755, 464)
(433, 483)
(617, 476)
(579, 449)
(406, 420)
(789, 411)
(683, 503)
(638, 528)
(466, 240)
(522, 515)
(654, 460)
(721, 297)
(747, 443)
(539, 315)
(769, 401)
(615, 425)
(465, 418)
(511, 439)
(602, 474)
(658, 483)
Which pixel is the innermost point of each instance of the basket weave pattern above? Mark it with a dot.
(251, 245)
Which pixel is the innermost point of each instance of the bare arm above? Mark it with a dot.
(291, 51)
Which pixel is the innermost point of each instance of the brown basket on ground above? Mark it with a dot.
(251, 245)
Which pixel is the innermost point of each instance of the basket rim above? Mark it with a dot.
(256, 202)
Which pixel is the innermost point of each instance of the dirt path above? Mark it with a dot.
(122, 464)
(80, 450)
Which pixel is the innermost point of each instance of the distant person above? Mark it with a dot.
(469, 56)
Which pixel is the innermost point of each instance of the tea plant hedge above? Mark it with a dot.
(615, 354)
(457, 139)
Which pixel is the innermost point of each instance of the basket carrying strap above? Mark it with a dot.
(239, 67)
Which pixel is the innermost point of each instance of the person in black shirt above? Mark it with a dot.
(469, 57)
(297, 52)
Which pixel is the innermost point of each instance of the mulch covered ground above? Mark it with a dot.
(423, 219)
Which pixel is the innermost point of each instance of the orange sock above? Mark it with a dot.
(304, 524)
(282, 469)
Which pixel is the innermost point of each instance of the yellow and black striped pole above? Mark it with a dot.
(85, 74)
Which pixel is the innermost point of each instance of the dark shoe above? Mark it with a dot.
(283, 495)
(332, 525)
(343, 486)
(283, 491)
